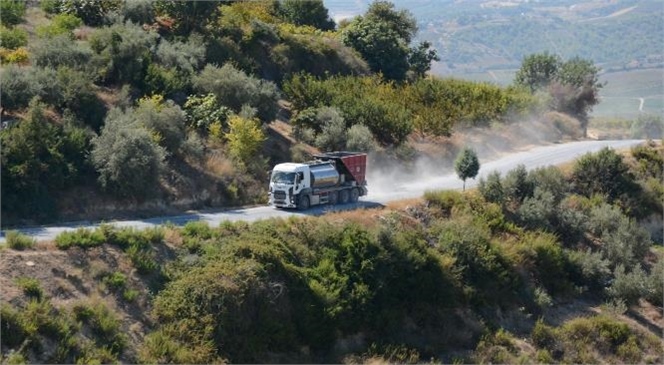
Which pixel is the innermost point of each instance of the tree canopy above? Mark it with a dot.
(466, 165)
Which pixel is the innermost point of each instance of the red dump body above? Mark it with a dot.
(352, 164)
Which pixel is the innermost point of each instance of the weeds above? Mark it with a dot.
(19, 241)
(81, 237)
(31, 287)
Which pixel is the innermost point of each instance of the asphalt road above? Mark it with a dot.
(533, 158)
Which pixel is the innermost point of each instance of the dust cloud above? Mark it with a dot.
(431, 163)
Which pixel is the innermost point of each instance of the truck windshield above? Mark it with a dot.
(283, 177)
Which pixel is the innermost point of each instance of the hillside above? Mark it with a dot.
(531, 267)
(476, 36)
(112, 109)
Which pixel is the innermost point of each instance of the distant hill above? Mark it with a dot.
(474, 36)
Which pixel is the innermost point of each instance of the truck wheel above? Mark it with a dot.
(334, 197)
(354, 195)
(343, 196)
(303, 204)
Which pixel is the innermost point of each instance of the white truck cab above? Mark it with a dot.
(335, 177)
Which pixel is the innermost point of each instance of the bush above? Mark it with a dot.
(31, 287)
(628, 286)
(60, 51)
(517, 186)
(550, 179)
(233, 88)
(62, 24)
(139, 11)
(359, 138)
(39, 159)
(12, 38)
(122, 52)
(20, 86)
(126, 157)
(77, 95)
(203, 111)
(19, 56)
(183, 56)
(245, 138)
(18, 241)
(165, 119)
(648, 126)
(115, 281)
(492, 188)
(333, 133)
(624, 241)
(81, 237)
(539, 211)
(12, 12)
(92, 13)
(603, 172)
(104, 324)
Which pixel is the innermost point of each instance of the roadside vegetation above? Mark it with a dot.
(497, 262)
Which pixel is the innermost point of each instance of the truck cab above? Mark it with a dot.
(331, 178)
(287, 181)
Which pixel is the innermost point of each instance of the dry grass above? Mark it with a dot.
(368, 218)
(219, 165)
(403, 204)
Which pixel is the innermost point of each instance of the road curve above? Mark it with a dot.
(533, 158)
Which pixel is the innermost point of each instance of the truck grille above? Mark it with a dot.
(279, 195)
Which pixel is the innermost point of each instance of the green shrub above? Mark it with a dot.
(539, 211)
(12, 331)
(81, 237)
(245, 138)
(445, 200)
(60, 51)
(13, 38)
(628, 286)
(142, 259)
(92, 13)
(31, 287)
(21, 85)
(126, 157)
(233, 88)
(130, 295)
(12, 12)
(104, 325)
(18, 241)
(517, 186)
(543, 336)
(332, 136)
(360, 138)
(203, 111)
(492, 188)
(78, 96)
(122, 52)
(592, 270)
(166, 119)
(139, 11)
(603, 172)
(115, 281)
(61, 24)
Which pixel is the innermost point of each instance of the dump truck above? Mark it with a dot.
(330, 178)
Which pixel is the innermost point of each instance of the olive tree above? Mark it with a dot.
(126, 156)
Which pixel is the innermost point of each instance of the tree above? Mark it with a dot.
(311, 12)
(188, 15)
(466, 165)
(39, 159)
(382, 37)
(538, 71)
(603, 172)
(92, 12)
(127, 158)
(491, 188)
(333, 134)
(233, 88)
(573, 85)
(420, 58)
(580, 89)
(11, 12)
(244, 138)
